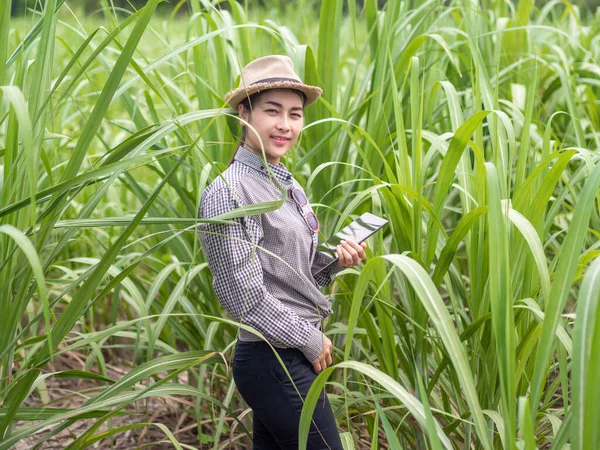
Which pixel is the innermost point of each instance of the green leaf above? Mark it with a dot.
(586, 363)
(565, 272)
(388, 383)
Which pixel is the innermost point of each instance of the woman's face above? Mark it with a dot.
(277, 117)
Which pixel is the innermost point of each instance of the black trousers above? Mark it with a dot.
(276, 406)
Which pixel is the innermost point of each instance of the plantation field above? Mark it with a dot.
(472, 126)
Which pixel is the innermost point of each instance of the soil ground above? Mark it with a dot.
(170, 412)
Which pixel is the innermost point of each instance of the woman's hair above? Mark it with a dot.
(247, 103)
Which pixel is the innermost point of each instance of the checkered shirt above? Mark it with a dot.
(263, 265)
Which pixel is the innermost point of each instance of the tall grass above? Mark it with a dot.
(473, 128)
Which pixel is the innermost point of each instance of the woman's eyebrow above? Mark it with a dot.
(279, 105)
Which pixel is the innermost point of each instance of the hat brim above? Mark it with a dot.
(233, 98)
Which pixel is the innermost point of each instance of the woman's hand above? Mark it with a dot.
(324, 360)
(350, 253)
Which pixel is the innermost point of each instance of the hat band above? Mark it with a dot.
(274, 80)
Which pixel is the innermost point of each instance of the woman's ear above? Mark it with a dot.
(243, 113)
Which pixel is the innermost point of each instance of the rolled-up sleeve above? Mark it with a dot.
(231, 252)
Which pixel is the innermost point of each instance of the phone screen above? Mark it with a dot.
(358, 231)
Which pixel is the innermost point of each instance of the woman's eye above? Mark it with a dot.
(271, 110)
(297, 116)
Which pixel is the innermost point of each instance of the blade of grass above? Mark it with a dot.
(501, 301)
(586, 363)
(565, 272)
(388, 383)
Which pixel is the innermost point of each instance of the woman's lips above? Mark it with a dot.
(280, 140)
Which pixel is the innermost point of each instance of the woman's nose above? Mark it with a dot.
(283, 124)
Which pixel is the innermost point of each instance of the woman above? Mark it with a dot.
(263, 265)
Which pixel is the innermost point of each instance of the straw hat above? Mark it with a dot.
(270, 72)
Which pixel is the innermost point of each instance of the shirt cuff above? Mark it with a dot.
(326, 277)
(335, 268)
(314, 347)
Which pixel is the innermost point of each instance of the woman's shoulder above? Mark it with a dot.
(227, 190)
(230, 178)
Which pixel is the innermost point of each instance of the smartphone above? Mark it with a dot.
(359, 230)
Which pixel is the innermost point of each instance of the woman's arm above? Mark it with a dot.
(326, 277)
(349, 254)
(232, 256)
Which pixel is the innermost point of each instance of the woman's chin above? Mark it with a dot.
(277, 153)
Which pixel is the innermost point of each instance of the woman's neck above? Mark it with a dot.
(259, 153)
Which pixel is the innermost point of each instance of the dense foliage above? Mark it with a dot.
(474, 128)
(21, 6)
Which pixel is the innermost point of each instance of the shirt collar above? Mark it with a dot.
(255, 161)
